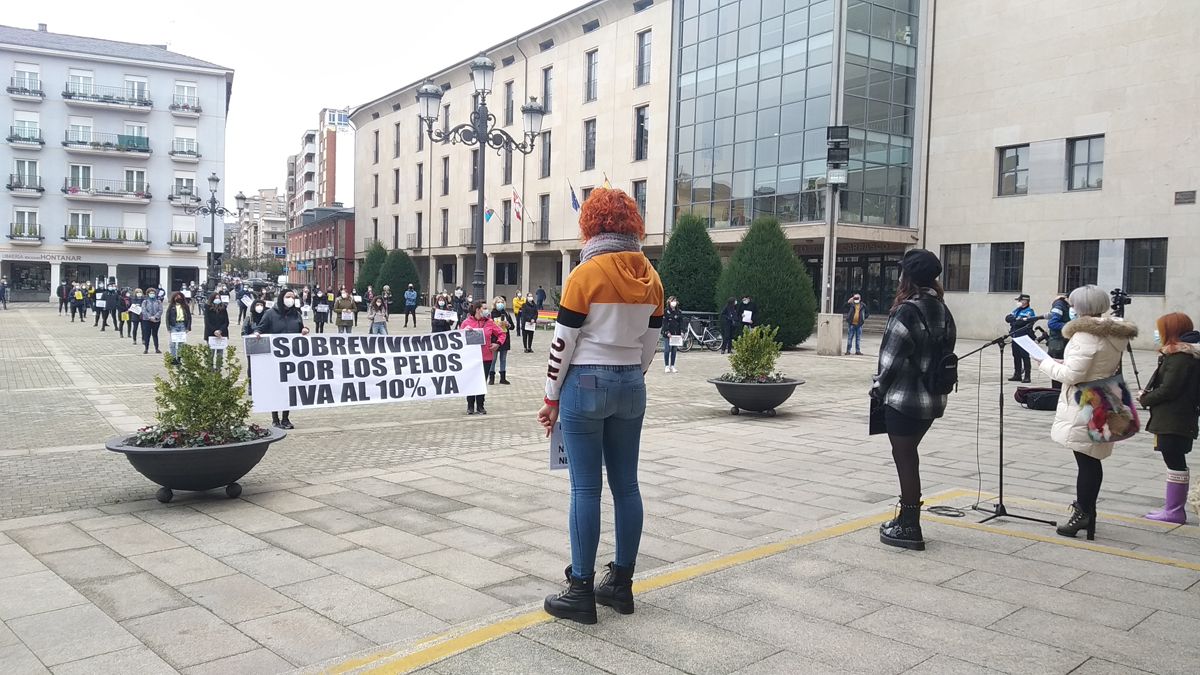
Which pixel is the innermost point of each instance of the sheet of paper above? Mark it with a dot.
(247, 300)
(1035, 350)
(558, 451)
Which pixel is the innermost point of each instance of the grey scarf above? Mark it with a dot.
(609, 242)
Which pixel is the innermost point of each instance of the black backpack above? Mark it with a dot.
(942, 377)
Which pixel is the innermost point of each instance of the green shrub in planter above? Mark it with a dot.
(754, 355)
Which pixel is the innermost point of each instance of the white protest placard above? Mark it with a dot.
(294, 372)
(445, 315)
(532, 325)
(306, 311)
(180, 336)
(558, 451)
(101, 304)
(347, 315)
(225, 299)
(247, 300)
(358, 298)
(323, 308)
(135, 309)
(187, 294)
(747, 316)
(676, 340)
(1035, 350)
(218, 342)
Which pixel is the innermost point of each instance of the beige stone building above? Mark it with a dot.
(262, 226)
(1064, 149)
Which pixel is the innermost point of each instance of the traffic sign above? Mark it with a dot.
(280, 251)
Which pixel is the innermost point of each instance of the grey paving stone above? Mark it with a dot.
(136, 539)
(259, 662)
(696, 599)
(669, 549)
(463, 568)
(71, 634)
(245, 516)
(15, 561)
(404, 625)
(983, 647)
(51, 538)
(792, 584)
(7, 637)
(275, 567)
(1137, 593)
(238, 598)
(105, 522)
(549, 539)
(355, 502)
(35, 593)
(17, 658)
(132, 595)
(929, 569)
(181, 566)
(518, 655)
(787, 662)
(523, 590)
(944, 665)
(428, 502)
(284, 501)
(303, 637)
(411, 520)
(369, 568)
(477, 542)
(189, 636)
(341, 599)
(137, 660)
(1016, 566)
(333, 521)
(375, 486)
(445, 599)
(1137, 650)
(1125, 568)
(392, 542)
(1055, 600)
(1169, 627)
(610, 657)
(540, 563)
(490, 521)
(947, 603)
(85, 564)
(221, 540)
(306, 542)
(1095, 666)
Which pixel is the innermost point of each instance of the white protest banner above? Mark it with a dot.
(218, 342)
(445, 315)
(294, 372)
(558, 451)
(247, 300)
(323, 308)
(135, 309)
(179, 336)
(100, 304)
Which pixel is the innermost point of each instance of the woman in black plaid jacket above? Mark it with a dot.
(917, 317)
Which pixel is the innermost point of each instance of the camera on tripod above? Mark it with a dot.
(1119, 300)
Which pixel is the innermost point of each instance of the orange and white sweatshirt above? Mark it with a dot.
(610, 314)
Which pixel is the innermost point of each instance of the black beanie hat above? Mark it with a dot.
(921, 266)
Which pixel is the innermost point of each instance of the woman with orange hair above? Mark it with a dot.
(1172, 398)
(604, 340)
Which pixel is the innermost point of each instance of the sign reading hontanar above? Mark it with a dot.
(293, 372)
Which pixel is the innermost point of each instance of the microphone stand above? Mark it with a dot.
(999, 510)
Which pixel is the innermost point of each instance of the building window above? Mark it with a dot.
(643, 58)
(1008, 264)
(508, 164)
(375, 190)
(590, 83)
(445, 175)
(639, 196)
(589, 145)
(1146, 266)
(420, 227)
(1014, 170)
(508, 103)
(475, 169)
(544, 214)
(374, 230)
(185, 95)
(1079, 262)
(547, 88)
(420, 181)
(420, 135)
(395, 231)
(396, 140)
(446, 118)
(506, 273)
(445, 227)
(395, 186)
(641, 134)
(506, 221)
(957, 261)
(585, 193)
(546, 154)
(1087, 163)
(375, 148)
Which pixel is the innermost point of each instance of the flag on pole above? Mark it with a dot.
(607, 185)
(574, 201)
(516, 206)
(488, 213)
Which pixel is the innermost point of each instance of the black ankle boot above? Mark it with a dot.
(275, 420)
(904, 531)
(504, 377)
(492, 377)
(616, 589)
(577, 602)
(1015, 378)
(1080, 520)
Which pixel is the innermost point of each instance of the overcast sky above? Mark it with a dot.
(292, 59)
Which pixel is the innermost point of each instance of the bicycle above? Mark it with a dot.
(706, 337)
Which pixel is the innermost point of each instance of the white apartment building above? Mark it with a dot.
(319, 175)
(107, 143)
(606, 92)
(1064, 149)
(263, 225)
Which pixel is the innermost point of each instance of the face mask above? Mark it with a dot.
(345, 295)
(674, 305)
(216, 302)
(258, 308)
(289, 302)
(1157, 338)
(529, 298)
(745, 301)
(458, 294)
(151, 296)
(500, 306)
(441, 303)
(470, 298)
(1071, 314)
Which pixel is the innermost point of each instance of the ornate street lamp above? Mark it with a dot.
(481, 131)
(213, 209)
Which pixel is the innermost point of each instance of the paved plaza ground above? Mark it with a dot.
(410, 537)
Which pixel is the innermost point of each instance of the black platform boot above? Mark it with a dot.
(1080, 520)
(504, 377)
(616, 589)
(904, 531)
(275, 420)
(577, 602)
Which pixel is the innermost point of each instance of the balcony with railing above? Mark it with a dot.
(87, 142)
(183, 195)
(539, 232)
(25, 185)
(185, 150)
(185, 106)
(414, 242)
(25, 234)
(465, 238)
(135, 99)
(89, 236)
(123, 191)
(184, 240)
(25, 136)
(25, 88)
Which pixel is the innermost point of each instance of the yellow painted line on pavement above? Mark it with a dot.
(448, 644)
(1068, 542)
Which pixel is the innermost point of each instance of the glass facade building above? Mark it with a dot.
(755, 81)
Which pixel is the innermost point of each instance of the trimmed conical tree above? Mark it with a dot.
(398, 271)
(765, 268)
(690, 265)
(369, 272)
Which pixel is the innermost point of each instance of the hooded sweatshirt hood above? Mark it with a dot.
(1189, 343)
(631, 276)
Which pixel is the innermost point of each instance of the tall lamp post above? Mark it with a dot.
(481, 131)
(213, 209)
